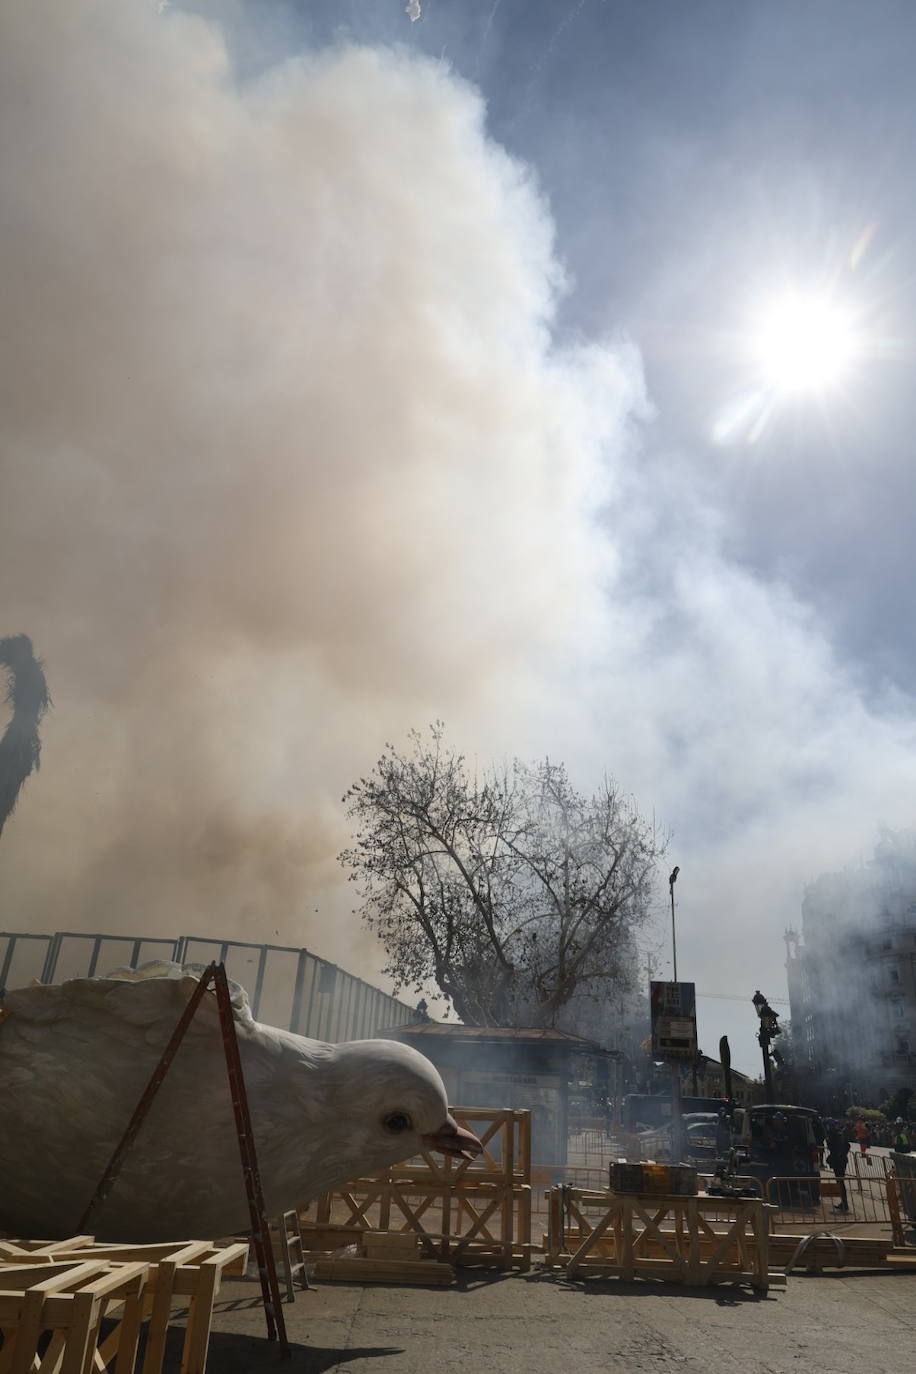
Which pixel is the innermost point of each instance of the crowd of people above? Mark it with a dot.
(896, 1135)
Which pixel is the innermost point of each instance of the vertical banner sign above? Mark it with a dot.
(674, 1021)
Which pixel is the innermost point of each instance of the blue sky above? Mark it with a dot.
(367, 371)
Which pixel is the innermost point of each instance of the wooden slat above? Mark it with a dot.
(384, 1271)
(200, 1316)
(158, 1308)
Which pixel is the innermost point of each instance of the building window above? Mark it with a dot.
(903, 1046)
(894, 975)
(899, 1010)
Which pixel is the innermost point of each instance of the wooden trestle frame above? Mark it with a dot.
(82, 1305)
(461, 1211)
(260, 1229)
(601, 1234)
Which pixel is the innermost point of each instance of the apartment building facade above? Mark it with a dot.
(852, 982)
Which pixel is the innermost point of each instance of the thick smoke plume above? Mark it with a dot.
(288, 461)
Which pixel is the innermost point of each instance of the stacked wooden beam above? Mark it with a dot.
(451, 1211)
(56, 1295)
(818, 1252)
(822, 1252)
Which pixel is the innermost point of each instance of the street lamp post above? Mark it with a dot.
(671, 881)
(769, 1029)
(677, 1119)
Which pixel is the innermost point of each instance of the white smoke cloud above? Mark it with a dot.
(289, 460)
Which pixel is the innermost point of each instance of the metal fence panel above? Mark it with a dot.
(287, 986)
(73, 954)
(277, 987)
(311, 1006)
(866, 1193)
(22, 958)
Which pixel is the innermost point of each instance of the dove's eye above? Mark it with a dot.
(397, 1122)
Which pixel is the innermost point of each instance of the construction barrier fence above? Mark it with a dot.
(287, 987)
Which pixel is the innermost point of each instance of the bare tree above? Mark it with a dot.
(512, 892)
(20, 746)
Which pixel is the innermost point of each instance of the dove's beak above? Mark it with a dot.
(452, 1139)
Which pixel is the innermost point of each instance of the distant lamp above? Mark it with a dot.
(769, 1021)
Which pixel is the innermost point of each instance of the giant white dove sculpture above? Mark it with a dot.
(75, 1058)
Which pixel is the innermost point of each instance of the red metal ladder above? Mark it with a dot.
(260, 1230)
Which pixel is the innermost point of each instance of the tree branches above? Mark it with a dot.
(513, 892)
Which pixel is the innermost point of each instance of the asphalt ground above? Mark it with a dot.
(540, 1323)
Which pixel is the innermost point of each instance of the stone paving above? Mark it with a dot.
(540, 1324)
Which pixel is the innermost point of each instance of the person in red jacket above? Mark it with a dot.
(863, 1135)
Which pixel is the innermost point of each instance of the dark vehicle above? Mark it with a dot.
(699, 1139)
(780, 1142)
(700, 1136)
(648, 1111)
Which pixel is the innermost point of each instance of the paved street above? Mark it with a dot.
(540, 1324)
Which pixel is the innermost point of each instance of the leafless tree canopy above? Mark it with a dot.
(511, 891)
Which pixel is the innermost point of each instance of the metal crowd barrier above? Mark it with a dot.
(799, 1201)
(287, 986)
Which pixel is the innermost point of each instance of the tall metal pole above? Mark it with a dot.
(677, 1122)
(764, 1039)
(671, 881)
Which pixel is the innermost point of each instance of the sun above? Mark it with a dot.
(804, 343)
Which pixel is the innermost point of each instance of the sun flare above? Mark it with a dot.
(804, 343)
